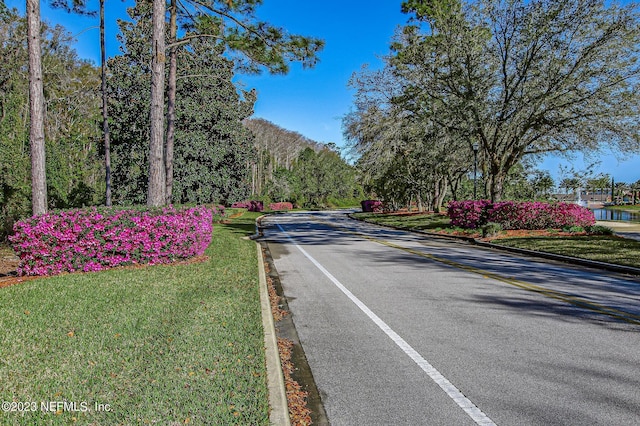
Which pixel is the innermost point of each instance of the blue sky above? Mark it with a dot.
(313, 101)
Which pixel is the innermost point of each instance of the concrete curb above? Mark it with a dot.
(287, 330)
(279, 414)
(629, 270)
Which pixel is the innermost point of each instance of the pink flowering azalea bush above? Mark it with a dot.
(280, 206)
(252, 206)
(519, 215)
(371, 206)
(467, 214)
(218, 212)
(93, 240)
(240, 205)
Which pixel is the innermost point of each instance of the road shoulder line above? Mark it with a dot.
(453, 392)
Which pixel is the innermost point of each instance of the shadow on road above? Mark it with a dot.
(592, 286)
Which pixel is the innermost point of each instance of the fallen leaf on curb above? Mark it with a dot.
(296, 397)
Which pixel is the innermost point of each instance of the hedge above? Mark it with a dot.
(280, 206)
(252, 206)
(371, 206)
(519, 215)
(93, 240)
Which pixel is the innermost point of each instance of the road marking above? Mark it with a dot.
(553, 294)
(454, 393)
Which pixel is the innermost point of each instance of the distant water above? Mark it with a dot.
(605, 214)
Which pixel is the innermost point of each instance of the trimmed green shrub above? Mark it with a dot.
(491, 229)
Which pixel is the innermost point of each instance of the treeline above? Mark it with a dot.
(218, 155)
(211, 149)
(276, 148)
(72, 113)
(291, 167)
(186, 54)
(480, 89)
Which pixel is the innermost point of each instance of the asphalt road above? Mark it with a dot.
(406, 329)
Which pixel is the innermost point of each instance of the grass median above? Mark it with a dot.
(413, 221)
(169, 344)
(603, 248)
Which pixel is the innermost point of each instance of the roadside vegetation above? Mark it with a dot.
(624, 207)
(182, 343)
(572, 241)
(419, 221)
(170, 344)
(602, 248)
(460, 106)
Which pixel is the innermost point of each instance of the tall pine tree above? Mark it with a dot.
(212, 147)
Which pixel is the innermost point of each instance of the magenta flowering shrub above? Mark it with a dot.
(525, 215)
(371, 206)
(93, 240)
(519, 215)
(569, 214)
(218, 210)
(280, 206)
(241, 205)
(256, 206)
(252, 206)
(467, 214)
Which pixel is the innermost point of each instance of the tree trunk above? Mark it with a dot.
(496, 185)
(254, 179)
(157, 175)
(171, 102)
(36, 109)
(105, 115)
(443, 193)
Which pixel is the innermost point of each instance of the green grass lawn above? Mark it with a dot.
(625, 207)
(169, 344)
(604, 248)
(417, 221)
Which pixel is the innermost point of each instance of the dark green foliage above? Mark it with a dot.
(15, 189)
(73, 164)
(322, 176)
(128, 93)
(573, 229)
(491, 229)
(599, 230)
(253, 44)
(425, 9)
(212, 147)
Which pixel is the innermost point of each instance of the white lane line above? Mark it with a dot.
(454, 393)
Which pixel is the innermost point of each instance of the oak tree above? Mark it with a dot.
(525, 78)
